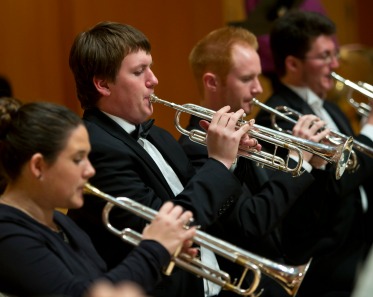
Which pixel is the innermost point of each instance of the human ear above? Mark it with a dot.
(292, 63)
(37, 165)
(102, 86)
(210, 81)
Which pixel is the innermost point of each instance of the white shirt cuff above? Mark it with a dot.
(307, 166)
(367, 131)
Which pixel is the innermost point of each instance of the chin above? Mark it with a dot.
(247, 109)
(329, 84)
(151, 110)
(147, 114)
(77, 202)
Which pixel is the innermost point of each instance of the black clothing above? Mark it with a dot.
(36, 261)
(255, 220)
(334, 232)
(125, 169)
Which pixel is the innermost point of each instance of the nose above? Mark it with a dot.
(334, 63)
(152, 80)
(89, 170)
(257, 88)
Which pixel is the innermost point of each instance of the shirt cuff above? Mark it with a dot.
(307, 166)
(367, 131)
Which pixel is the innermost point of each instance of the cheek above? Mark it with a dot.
(313, 76)
(73, 198)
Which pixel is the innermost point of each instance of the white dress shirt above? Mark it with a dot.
(364, 284)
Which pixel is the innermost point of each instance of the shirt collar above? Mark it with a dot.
(128, 127)
(307, 95)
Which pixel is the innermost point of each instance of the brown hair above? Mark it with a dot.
(213, 52)
(31, 128)
(99, 52)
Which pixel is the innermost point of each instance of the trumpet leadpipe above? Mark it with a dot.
(355, 86)
(364, 88)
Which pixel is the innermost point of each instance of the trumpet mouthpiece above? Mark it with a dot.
(153, 98)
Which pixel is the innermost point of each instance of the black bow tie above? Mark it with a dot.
(143, 129)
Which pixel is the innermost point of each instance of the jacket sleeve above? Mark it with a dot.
(258, 212)
(34, 266)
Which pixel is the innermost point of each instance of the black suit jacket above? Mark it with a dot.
(334, 232)
(254, 222)
(124, 168)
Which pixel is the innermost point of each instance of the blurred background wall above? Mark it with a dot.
(36, 36)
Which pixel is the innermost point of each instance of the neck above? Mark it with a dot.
(287, 80)
(211, 102)
(22, 200)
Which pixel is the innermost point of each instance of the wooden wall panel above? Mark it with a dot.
(37, 35)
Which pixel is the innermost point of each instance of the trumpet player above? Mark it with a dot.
(226, 67)
(305, 54)
(111, 63)
(44, 151)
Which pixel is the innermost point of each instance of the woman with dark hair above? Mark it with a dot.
(44, 151)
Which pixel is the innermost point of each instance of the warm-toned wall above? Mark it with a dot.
(36, 36)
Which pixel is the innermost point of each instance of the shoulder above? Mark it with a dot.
(162, 138)
(282, 95)
(328, 104)
(14, 222)
(161, 132)
(69, 226)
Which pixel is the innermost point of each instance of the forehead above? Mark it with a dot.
(323, 43)
(77, 141)
(137, 58)
(242, 50)
(245, 57)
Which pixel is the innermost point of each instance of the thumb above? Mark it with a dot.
(204, 124)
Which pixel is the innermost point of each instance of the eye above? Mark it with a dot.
(78, 158)
(325, 55)
(246, 79)
(138, 72)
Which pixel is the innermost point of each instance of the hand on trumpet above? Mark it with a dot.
(105, 288)
(310, 127)
(170, 227)
(224, 138)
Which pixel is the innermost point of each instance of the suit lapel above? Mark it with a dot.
(339, 119)
(295, 102)
(299, 104)
(172, 155)
(111, 127)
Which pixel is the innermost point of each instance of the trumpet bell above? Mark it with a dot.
(345, 155)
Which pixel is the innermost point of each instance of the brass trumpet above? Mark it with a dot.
(362, 87)
(289, 277)
(337, 155)
(335, 137)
